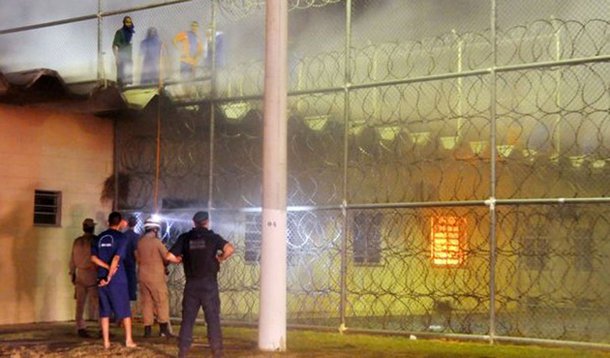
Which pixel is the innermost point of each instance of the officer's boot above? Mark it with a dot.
(182, 352)
(164, 330)
(147, 331)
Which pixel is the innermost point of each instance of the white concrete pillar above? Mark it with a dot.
(272, 320)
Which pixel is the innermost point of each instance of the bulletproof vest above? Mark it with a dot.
(200, 255)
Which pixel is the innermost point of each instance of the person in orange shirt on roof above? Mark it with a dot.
(191, 47)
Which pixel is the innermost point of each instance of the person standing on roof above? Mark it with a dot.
(121, 47)
(151, 51)
(191, 50)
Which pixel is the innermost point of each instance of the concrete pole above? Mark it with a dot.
(272, 320)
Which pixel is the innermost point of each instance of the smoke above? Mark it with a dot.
(31, 12)
(71, 49)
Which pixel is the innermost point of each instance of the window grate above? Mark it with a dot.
(367, 238)
(47, 208)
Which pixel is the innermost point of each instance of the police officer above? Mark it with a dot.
(150, 254)
(83, 273)
(201, 250)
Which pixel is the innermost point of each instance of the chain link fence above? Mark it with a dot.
(447, 162)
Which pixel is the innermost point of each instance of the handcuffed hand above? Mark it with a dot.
(103, 281)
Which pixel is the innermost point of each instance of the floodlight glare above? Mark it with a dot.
(235, 110)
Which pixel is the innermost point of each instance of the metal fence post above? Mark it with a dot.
(492, 208)
(346, 91)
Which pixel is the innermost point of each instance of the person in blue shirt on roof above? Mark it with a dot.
(108, 252)
(151, 51)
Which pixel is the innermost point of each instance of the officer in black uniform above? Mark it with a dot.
(201, 251)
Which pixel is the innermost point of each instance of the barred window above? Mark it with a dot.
(367, 238)
(535, 251)
(296, 243)
(253, 234)
(583, 249)
(448, 240)
(47, 208)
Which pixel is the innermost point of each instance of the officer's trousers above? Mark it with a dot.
(201, 292)
(85, 295)
(154, 302)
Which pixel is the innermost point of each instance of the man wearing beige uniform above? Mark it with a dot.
(84, 276)
(150, 255)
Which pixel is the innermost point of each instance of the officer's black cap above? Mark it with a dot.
(200, 216)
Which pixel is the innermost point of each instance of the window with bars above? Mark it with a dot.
(583, 250)
(448, 240)
(47, 208)
(253, 234)
(535, 251)
(297, 243)
(366, 231)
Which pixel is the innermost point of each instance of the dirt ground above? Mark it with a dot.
(60, 340)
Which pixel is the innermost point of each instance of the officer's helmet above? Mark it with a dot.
(151, 223)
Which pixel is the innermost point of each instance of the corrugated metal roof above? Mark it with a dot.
(34, 86)
(27, 79)
(45, 87)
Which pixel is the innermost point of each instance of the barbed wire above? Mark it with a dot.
(237, 9)
(410, 143)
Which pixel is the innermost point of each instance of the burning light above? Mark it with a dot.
(388, 133)
(420, 138)
(505, 150)
(449, 142)
(447, 241)
(316, 123)
(235, 110)
(477, 147)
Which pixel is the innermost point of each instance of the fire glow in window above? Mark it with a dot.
(447, 241)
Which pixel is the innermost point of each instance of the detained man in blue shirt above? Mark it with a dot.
(108, 252)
